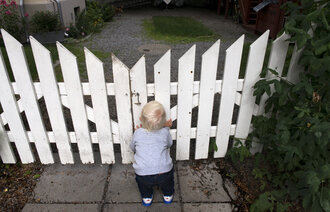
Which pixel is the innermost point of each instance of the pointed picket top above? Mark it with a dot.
(118, 63)
(239, 42)
(9, 38)
(163, 59)
(61, 48)
(92, 56)
(213, 49)
(188, 54)
(38, 46)
(260, 40)
(140, 63)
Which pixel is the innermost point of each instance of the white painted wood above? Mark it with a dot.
(50, 91)
(138, 88)
(124, 110)
(100, 106)
(253, 69)
(185, 100)
(25, 87)
(10, 108)
(73, 138)
(294, 67)
(206, 98)
(162, 74)
(75, 99)
(276, 62)
(6, 152)
(228, 94)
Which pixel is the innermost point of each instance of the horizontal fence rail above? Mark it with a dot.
(131, 92)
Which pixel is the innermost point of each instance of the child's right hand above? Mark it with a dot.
(137, 127)
(168, 123)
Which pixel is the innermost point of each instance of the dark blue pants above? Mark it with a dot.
(146, 183)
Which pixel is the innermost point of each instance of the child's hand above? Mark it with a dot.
(137, 127)
(168, 123)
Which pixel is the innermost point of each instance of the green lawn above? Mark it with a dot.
(177, 29)
(76, 49)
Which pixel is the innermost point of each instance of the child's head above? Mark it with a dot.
(153, 116)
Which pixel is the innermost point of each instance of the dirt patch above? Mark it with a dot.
(17, 182)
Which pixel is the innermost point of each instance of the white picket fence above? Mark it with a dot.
(131, 91)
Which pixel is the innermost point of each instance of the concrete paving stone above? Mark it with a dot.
(136, 207)
(61, 208)
(202, 183)
(209, 207)
(123, 188)
(232, 190)
(72, 183)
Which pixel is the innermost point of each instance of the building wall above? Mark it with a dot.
(67, 6)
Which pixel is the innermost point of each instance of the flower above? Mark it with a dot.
(83, 34)
(26, 14)
(8, 12)
(67, 29)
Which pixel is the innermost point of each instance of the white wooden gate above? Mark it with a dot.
(131, 91)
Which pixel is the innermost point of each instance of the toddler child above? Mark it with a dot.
(152, 161)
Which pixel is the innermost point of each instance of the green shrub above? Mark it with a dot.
(96, 10)
(10, 19)
(45, 21)
(295, 133)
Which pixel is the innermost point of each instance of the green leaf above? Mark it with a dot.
(36, 176)
(278, 86)
(262, 203)
(307, 201)
(318, 134)
(325, 199)
(313, 181)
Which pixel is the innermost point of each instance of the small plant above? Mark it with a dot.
(10, 19)
(45, 21)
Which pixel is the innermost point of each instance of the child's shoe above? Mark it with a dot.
(168, 199)
(147, 201)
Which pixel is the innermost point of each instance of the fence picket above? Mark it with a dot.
(185, 101)
(9, 105)
(206, 98)
(138, 88)
(27, 93)
(276, 62)
(228, 94)
(253, 69)
(294, 67)
(123, 105)
(76, 101)
(162, 74)
(50, 91)
(100, 106)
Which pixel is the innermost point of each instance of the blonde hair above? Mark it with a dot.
(153, 116)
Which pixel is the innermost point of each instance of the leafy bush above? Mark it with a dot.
(10, 19)
(91, 20)
(96, 10)
(295, 133)
(45, 21)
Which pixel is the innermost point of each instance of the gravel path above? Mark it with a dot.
(124, 37)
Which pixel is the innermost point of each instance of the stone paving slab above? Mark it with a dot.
(209, 207)
(61, 208)
(72, 183)
(123, 187)
(136, 207)
(202, 183)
